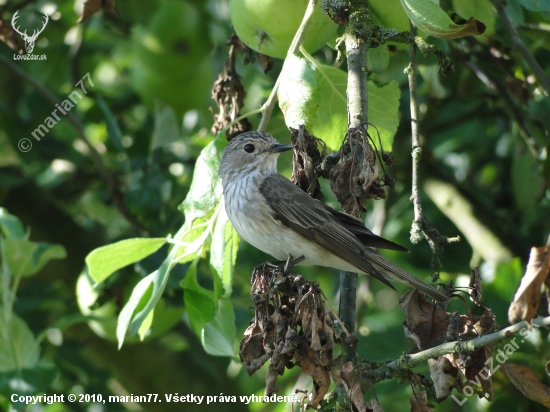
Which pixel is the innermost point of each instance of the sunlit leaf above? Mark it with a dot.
(140, 290)
(431, 19)
(332, 117)
(199, 302)
(104, 261)
(218, 335)
(159, 280)
(206, 189)
(223, 250)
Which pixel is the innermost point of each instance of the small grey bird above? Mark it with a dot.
(277, 217)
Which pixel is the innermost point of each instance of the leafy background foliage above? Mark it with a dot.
(147, 117)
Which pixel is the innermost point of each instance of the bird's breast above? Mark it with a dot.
(252, 218)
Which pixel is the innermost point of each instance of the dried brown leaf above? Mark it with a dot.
(444, 376)
(527, 382)
(353, 387)
(265, 62)
(425, 323)
(251, 348)
(419, 402)
(527, 297)
(308, 359)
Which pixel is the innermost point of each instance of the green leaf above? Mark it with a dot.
(536, 5)
(390, 13)
(201, 209)
(332, 118)
(11, 225)
(18, 346)
(199, 302)
(218, 335)
(480, 9)
(166, 126)
(104, 261)
(159, 280)
(431, 18)
(223, 251)
(25, 258)
(141, 290)
(383, 109)
(206, 190)
(298, 93)
(378, 59)
(113, 131)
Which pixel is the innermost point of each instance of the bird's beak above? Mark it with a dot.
(278, 148)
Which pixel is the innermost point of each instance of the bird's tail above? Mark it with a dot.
(395, 273)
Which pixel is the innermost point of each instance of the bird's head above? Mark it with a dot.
(250, 152)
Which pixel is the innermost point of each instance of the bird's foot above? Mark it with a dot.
(285, 264)
(292, 262)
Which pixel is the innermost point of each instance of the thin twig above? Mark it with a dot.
(407, 362)
(541, 76)
(421, 228)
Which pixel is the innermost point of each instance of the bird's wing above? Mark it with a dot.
(296, 210)
(311, 219)
(365, 236)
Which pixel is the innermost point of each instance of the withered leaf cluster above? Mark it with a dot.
(356, 177)
(428, 326)
(306, 157)
(228, 93)
(291, 327)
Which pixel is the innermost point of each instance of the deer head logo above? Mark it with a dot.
(29, 40)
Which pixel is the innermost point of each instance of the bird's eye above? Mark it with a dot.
(249, 148)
